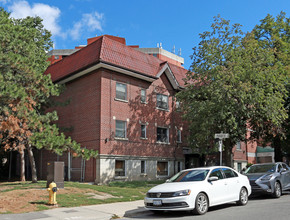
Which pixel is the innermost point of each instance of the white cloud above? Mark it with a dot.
(89, 22)
(49, 14)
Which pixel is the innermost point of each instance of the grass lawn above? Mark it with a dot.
(27, 196)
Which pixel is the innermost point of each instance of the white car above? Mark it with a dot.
(199, 188)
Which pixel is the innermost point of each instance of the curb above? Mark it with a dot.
(132, 213)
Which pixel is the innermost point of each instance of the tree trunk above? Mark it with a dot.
(32, 164)
(22, 166)
(228, 158)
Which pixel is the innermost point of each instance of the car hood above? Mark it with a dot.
(173, 187)
(255, 176)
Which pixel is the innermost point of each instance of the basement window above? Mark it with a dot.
(143, 166)
(120, 168)
(162, 168)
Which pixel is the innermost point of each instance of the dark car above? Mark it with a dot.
(271, 178)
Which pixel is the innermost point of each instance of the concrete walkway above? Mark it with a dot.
(102, 212)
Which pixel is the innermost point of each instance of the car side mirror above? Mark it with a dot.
(213, 178)
(283, 170)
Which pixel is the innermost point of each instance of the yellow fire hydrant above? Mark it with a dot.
(52, 189)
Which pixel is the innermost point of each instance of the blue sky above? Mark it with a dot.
(142, 22)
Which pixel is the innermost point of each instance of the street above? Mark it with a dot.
(261, 207)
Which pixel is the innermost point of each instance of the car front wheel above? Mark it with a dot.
(277, 190)
(201, 204)
(243, 199)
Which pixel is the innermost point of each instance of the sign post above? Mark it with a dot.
(221, 136)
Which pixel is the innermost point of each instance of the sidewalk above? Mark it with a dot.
(97, 212)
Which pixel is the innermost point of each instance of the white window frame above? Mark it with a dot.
(125, 130)
(167, 134)
(124, 161)
(143, 96)
(238, 145)
(126, 92)
(160, 100)
(178, 136)
(145, 131)
(162, 171)
(145, 167)
(179, 166)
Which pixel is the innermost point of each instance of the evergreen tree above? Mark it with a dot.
(24, 89)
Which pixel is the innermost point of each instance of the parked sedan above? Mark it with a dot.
(272, 178)
(199, 188)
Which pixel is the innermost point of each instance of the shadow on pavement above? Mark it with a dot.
(174, 214)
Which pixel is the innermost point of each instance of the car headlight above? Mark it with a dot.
(182, 193)
(266, 178)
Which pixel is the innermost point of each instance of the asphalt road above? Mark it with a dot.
(261, 207)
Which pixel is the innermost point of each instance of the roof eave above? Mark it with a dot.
(166, 69)
(108, 66)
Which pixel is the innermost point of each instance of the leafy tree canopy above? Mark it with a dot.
(235, 85)
(274, 33)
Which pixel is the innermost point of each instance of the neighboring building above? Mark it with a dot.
(121, 103)
(250, 152)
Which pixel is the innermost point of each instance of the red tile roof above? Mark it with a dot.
(107, 50)
(179, 73)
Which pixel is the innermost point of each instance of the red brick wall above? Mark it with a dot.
(137, 113)
(92, 108)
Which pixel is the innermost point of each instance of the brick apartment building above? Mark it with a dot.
(122, 103)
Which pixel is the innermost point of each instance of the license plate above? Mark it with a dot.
(157, 202)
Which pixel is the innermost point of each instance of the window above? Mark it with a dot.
(179, 166)
(279, 168)
(120, 129)
(239, 167)
(162, 135)
(143, 166)
(178, 136)
(284, 166)
(177, 106)
(238, 145)
(217, 172)
(162, 101)
(143, 131)
(229, 173)
(162, 168)
(121, 91)
(143, 95)
(119, 168)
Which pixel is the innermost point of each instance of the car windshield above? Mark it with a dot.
(261, 168)
(189, 175)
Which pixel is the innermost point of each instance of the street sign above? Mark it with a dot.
(221, 136)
